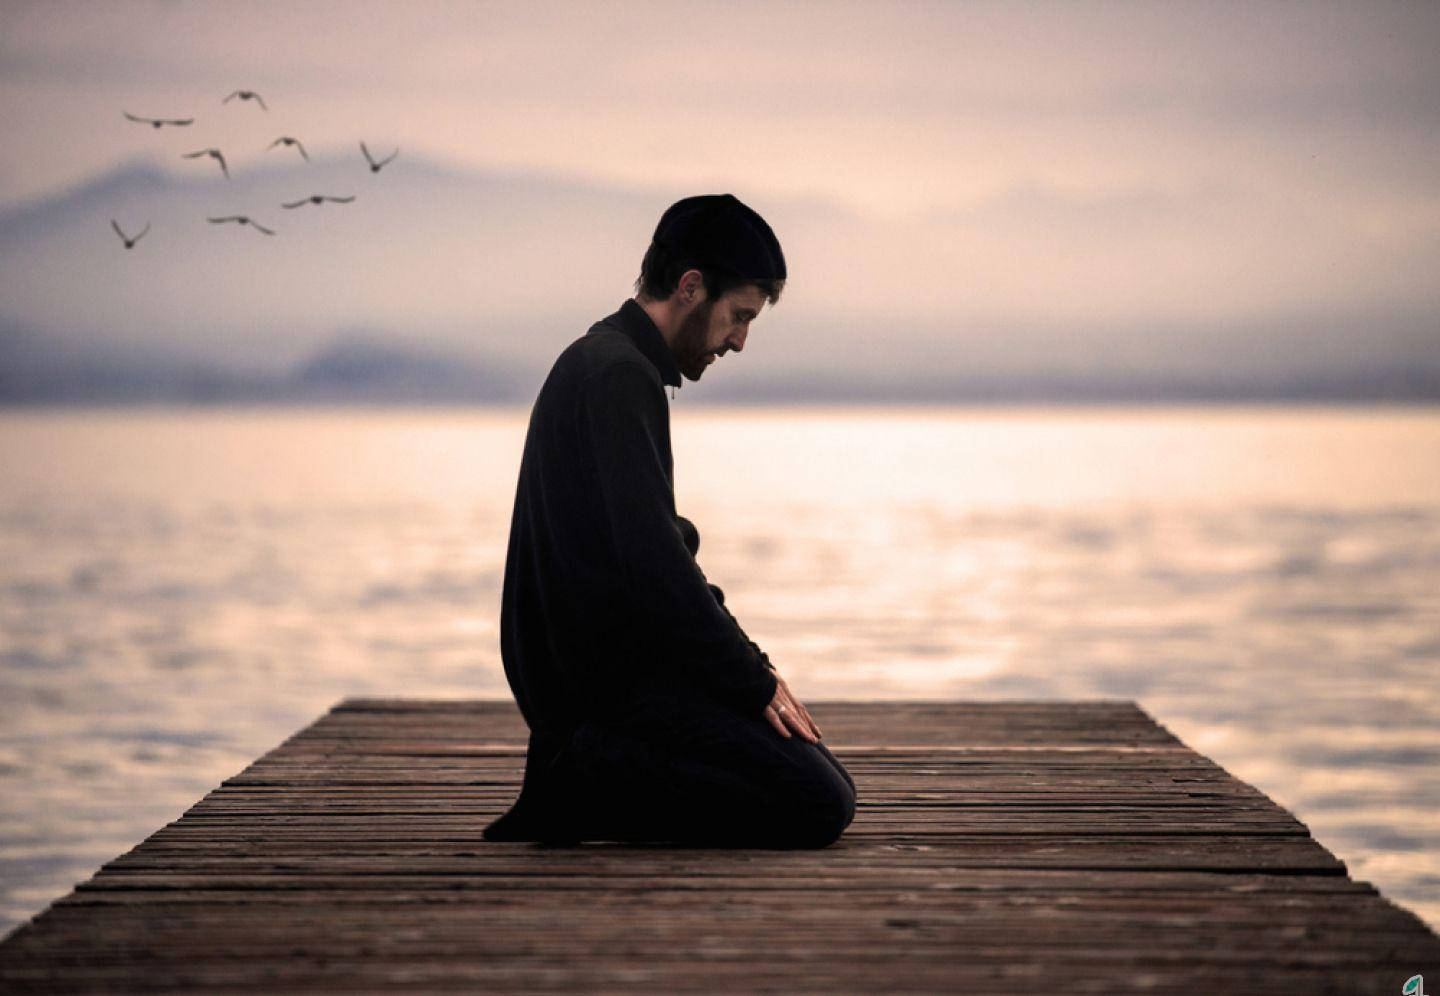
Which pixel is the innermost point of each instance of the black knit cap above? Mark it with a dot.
(718, 230)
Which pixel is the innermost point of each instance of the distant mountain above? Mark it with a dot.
(128, 182)
(458, 260)
(479, 279)
(365, 367)
(354, 368)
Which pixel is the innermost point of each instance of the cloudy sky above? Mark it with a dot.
(1055, 167)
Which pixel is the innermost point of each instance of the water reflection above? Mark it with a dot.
(180, 591)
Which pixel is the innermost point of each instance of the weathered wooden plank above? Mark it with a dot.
(320, 852)
(1090, 855)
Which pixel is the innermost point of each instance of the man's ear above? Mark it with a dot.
(691, 288)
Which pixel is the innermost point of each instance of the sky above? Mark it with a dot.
(1061, 167)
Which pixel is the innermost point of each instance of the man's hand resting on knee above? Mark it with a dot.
(786, 713)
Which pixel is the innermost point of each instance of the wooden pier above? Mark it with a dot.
(998, 848)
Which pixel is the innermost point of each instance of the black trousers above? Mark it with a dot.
(671, 768)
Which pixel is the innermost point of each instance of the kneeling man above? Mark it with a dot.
(653, 717)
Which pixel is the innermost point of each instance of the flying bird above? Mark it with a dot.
(129, 242)
(318, 199)
(157, 122)
(247, 95)
(241, 219)
(213, 154)
(374, 166)
(287, 140)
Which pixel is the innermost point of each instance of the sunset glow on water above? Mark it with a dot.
(183, 589)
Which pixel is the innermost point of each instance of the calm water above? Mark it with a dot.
(180, 590)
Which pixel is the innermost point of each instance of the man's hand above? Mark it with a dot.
(785, 713)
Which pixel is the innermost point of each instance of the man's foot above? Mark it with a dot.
(512, 827)
(543, 814)
(528, 823)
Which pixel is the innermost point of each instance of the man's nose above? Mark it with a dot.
(737, 340)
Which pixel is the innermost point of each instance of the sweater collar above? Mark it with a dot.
(634, 322)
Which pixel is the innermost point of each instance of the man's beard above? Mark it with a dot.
(689, 348)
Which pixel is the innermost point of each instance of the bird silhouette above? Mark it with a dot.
(129, 242)
(318, 199)
(247, 95)
(157, 122)
(213, 154)
(287, 140)
(375, 166)
(241, 219)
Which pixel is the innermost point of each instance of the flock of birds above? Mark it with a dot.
(286, 140)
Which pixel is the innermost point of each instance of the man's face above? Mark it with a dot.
(714, 328)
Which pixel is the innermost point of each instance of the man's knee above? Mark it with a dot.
(828, 808)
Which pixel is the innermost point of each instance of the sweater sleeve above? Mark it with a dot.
(720, 597)
(623, 419)
(691, 536)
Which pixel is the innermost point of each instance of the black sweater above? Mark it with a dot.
(603, 598)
